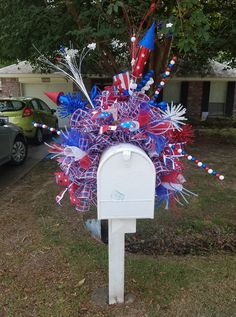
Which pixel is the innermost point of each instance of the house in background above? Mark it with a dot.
(21, 80)
(213, 95)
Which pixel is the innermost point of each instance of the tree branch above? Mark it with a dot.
(73, 12)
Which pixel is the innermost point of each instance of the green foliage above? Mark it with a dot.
(202, 29)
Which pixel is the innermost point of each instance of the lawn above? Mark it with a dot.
(182, 263)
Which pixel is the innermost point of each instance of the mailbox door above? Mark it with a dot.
(126, 184)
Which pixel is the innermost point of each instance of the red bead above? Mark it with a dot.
(196, 161)
(206, 168)
(168, 69)
(217, 175)
(174, 58)
(152, 7)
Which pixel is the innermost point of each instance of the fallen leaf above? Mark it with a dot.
(80, 283)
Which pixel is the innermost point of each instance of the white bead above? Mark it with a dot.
(147, 87)
(44, 126)
(221, 177)
(180, 151)
(167, 73)
(162, 83)
(189, 157)
(51, 129)
(210, 171)
(133, 86)
(133, 39)
(172, 62)
(150, 81)
(157, 92)
(199, 164)
(142, 55)
(35, 125)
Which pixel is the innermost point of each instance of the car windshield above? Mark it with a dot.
(10, 105)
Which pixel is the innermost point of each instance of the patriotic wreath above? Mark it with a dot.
(121, 113)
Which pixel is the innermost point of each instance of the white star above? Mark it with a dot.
(169, 25)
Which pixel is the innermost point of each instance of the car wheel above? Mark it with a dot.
(19, 151)
(38, 139)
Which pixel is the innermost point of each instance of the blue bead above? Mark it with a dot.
(146, 77)
(173, 146)
(193, 158)
(151, 102)
(214, 173)
(156, 95)
(203, 165)
(183, 152)
(151, 71)
(170, 65)
(162, 105)
(164, 76)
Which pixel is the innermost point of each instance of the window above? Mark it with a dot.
(34, 104)
(171, 91)
(43, 106)
(10, 105)
(217, 98)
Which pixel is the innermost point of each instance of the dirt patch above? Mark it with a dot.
(169, 242)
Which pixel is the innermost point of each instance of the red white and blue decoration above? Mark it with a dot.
(121, 113)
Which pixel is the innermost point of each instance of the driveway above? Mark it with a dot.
(11, 174)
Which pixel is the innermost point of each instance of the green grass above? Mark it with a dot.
(46, 252)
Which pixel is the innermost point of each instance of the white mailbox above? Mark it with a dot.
(125, 184)
(125, 192)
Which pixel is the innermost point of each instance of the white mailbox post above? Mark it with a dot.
(125, 192)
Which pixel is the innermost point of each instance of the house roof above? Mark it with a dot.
(216, 71)
(19, 68)
(221, 70)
